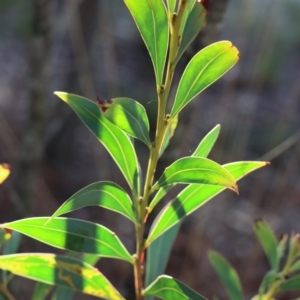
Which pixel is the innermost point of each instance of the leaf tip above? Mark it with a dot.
(235, 188)
(61, 95)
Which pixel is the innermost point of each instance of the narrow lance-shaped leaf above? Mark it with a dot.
(156, 264)
(116, 142)
(291, 284)
(151, 19)
(202, 150)
(4, 172)
(196, 170)
(195, 22)
(105, 194)
(66, 293)
(193, 197)
(205, 68)
(171, 6)
(73, 234)
(166, 287)
(270, 277)
(189, 4)
(158, 254)
(228, 275)
(208, 142)
(130, 116)
(41, 291)
(60, 270)
(268, 241)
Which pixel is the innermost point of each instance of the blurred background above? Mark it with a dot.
(91, 47)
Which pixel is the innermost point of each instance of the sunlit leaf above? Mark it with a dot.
(166, 287)
(113, 139)
(73, 234)
(130, 116)
(268, 241)
(105, 194)
(207, 142)
(4, 172)
(195, 22)
(205, 68)
(159, 195)
(60, 270)
(202, 150)
(228, 275)
(193, 197)
(66, 293)
(196, 170)
(151, 19)
(156, 263)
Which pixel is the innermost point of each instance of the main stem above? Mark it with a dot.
(161, 129)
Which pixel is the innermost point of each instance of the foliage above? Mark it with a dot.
(284, 275)
(167, 29)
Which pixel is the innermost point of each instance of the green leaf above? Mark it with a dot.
(60, 270)
(156, 263)
(166, 287)
(270, 277)
(105, 194)
(202, 150)
(228, 275)
(158, 196)
(130, 116)
(194, 24)
(193, 197)
(169, 134)
(13, 244)
(41, 291)
(67, 293)
(151, 20)
(158, 254)
(207, 142)
(268, 241)
(116, 142)
(171, 6)
(291, 284)
(281, 248)
(295, 267)
(73, 234)
(205, 68)
(196, 170)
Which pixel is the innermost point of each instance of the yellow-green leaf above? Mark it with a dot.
(205, 68)
(112, 138)
(105, 194)
(197, 170)
(151, 20)
(130, 116)
(61, 270)
(193, 197)
(167, 288)
(73, 234)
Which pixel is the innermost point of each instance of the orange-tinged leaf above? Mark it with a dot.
(4, 172)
